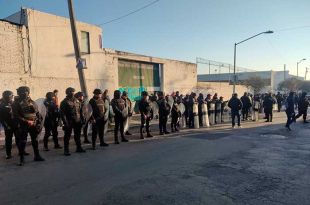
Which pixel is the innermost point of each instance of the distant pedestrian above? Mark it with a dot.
(290, 110)
(235, 105)
(268, 107)
(246, 105)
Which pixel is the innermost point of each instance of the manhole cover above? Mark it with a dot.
(274, 136)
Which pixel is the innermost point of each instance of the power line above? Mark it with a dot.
(130, 13)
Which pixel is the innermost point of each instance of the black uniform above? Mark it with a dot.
(51, 123)
(200, 113)
(303, 105)
(9, 125)
(98, 107)
(190, 107)
(235, 105)
(290, 110)
(280, 99)
(71, 116)
(175, 116)
(146, 117)
(164, 111)
(268, 106)
(247, 104)
(24, 110)
(119, 107)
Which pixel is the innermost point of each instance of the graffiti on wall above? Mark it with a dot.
(133, 93)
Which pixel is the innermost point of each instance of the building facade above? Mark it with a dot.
(37, 51)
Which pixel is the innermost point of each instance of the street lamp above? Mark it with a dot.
(299, 63)
(266, 32)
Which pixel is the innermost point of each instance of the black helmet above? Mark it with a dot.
(117, 94)
(70, 90)
(22, 90)
(49, 95)
(125, 93)
(97, 91)
(144, 93)
(6, 95)
(78, 94)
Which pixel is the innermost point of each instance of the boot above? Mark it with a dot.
(38, 158)
(80, 150)
(141, 136)
(124, 139)
(103, 144)
(128, 133)
(149, 135)
(116, 139)
(67, 153)
(86, 141)
(57, 146)
(21, 160)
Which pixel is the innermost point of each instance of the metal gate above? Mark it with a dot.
(136, 77)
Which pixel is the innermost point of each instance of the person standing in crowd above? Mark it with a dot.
(85, 122)
(146, 112)
(119, 108)
(97, 118)
(290, 110)
(209, 102)
(223, 105)
(190, 104)
(175, 115)
(201, 102)
(29, 120)
(247, 104)
(268, 107)
(130, 108)
(185, 102)
(164, 111)
(7, 121)
(256, 106)
(235, 105)
(56, 98)
(296, 100)
(70, 109)
(51, 121)
(280, 99)
(303, 105)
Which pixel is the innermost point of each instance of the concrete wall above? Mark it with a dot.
(40, 54)
(221, 88)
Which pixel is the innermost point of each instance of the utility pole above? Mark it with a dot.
(77, 49)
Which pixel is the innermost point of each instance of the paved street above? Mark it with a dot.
(259, 164)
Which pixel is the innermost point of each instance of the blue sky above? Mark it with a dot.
(186, 29)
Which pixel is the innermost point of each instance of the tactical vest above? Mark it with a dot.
(75, 109)
(28, 109)
(101, 106)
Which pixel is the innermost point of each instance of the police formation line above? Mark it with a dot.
(20, 116)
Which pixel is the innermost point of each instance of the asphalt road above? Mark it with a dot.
(258, 164)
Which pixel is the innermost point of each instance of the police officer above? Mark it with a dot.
(51, 121)
(129, 106)
(280, 100)
(163, 111)
(146, 114)
(97, 118)
(70, 109)
(80, 97)
(303, 105)
(201, 102)
(29, 120)
(6, 119)
(290, 110)
(247, 104)
(268, 107)
(175, 115)
(235, 105)
(119, 109)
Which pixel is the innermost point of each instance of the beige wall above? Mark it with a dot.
(221, 88)
(42, 57)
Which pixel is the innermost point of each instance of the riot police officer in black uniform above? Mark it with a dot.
(6, 119)
(97, 118)
(70, 109)
(303, 105)
(146, 114)
(120, 114)
(51, 121)
(29, 120)
(163, 111)
(175, 115)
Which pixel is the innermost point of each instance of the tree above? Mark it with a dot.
(305, 86)
(255, 83)
(291, 84)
